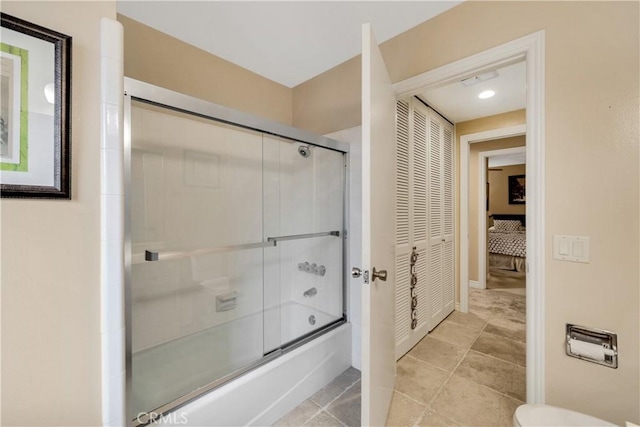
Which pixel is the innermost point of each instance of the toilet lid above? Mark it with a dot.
(545, 415)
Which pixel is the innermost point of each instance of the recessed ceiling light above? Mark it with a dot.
(486, 94)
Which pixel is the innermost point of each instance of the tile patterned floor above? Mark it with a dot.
(336, 405)
(469, 371)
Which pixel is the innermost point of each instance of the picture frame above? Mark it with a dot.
(517, 189)
(35, 111)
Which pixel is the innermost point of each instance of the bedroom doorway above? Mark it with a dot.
(501, 216)
(473, 193)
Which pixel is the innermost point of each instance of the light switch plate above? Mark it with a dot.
(571, 248)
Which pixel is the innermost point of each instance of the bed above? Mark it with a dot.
(507, 242)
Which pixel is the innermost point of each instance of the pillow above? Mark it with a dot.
(506, 224)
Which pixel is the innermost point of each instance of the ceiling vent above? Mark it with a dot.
(479, 78)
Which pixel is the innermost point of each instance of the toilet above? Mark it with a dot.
(546, 415)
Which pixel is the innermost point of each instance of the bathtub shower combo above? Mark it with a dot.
(235, 245)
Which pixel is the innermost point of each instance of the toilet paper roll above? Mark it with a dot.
(587, 350)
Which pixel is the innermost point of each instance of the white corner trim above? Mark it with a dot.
(474, 284)
(112, 309)
(531, 48)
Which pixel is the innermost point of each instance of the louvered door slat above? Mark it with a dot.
(435, 181)
(422, 288)
(448, 181)
(448, 277)
(419, 176)
(435, 283)
(403, 297)
(402, 173)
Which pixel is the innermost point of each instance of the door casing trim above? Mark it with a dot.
(532, 49)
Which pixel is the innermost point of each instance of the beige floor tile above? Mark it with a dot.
(438, 353)
(455, 334)
(324, 419)
(336, 387)
(418, 380)
(508, 327)
(502, 376)
(469, 320)
(517, 307)
(507, 407)
(487, 304)
(404, 411)
(502, 348)
(434, 419)
(347, 407)
(299, 415)
(468, 403)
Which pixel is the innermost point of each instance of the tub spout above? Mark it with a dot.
(310, 293)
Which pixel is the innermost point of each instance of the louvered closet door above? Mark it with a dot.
(441, 246)
(448, 261)
(411, 225)
(403, 227)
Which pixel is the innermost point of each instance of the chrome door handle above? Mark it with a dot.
(382, 275)
(356, 272)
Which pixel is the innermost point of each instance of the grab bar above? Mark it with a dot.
(271, 241)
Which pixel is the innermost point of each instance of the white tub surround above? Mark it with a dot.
(266, 394)
(112, 325)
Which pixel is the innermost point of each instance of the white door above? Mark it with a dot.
(378, 233)
(441, 249)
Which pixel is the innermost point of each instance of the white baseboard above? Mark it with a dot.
(474, 284)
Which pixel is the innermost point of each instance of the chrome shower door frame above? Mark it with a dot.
(161, 97)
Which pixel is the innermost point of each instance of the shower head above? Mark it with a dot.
(304, 151)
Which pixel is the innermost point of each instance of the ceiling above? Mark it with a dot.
(460, 103)
(288, 41)
(508, 160)
(292, 41)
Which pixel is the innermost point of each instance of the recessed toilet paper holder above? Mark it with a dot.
(592, 345)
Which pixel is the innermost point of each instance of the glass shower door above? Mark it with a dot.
(196, 230)
(304, 212)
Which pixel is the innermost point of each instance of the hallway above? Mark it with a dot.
(469, 371)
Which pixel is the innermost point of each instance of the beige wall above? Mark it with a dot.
(474, 175)
(499, 190)
(591, 163)
(162, 60)
(50, 255)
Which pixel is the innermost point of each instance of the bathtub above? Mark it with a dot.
(260, 396)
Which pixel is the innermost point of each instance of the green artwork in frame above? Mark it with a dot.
(14, 109)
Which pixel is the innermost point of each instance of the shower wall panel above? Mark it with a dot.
(194, 184)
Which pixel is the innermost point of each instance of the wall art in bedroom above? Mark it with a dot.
(517, 189)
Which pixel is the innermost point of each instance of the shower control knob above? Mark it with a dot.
(356, 272)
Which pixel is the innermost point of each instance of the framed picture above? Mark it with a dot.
(517, 189)
(487, 197)
(35, 106)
